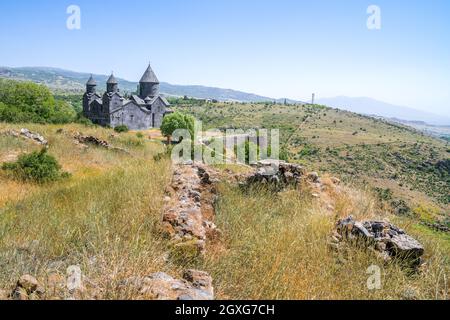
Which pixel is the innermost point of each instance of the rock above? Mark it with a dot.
(161, 286)
(29, 283)
(27, 287)
(33, 136)
(199, 279)
(19, 294)
(92, 140)
(275, 174)
(387, 239)
(405, 247)
(335, 181)
(361, 231)
(184, 219)
(313, 176)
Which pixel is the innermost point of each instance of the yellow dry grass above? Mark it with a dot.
(276, 247)
(105, 219)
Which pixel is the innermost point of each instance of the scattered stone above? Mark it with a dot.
(313, 176)
(384, 237)
(92, 140)
(195, 285)
(27, 287)
(85, 140)
(33, 136)
(189, 218)
(437, 226)
(27, 134)
(277, 174)
(335, 180)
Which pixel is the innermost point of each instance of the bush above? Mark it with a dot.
(37, 167)
(121, 128)
(139, 135)
(81, 119)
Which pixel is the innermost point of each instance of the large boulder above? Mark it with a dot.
(389, 240)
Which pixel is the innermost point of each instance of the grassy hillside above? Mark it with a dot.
(399, 162)
(105, 219)
(279, 249)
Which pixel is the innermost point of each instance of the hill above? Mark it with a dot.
(63, 81)
(368, 106)
(391, 158)
(105, 221)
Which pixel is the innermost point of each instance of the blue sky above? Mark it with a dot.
(283, 48)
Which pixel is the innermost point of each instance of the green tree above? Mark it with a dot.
(30, 102)
(176, 121)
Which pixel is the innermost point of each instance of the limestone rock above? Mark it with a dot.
(195, 285)
(33, 136)
(387, 239)
(27, 287)
(187, 217)
(277, 174)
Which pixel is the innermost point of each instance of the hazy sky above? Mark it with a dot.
(283, 48)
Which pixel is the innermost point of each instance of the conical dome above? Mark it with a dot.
(112, 80)
(91, 81)
(149, 76)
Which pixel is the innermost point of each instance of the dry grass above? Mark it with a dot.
(276, 248)
(105, 219)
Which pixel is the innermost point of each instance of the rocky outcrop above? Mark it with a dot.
(189, 211)
(276, 174)
(385, 238)
(27, 134)
(195, 285)
(91, 140)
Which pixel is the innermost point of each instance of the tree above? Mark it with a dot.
(30, 102)
(176, 121)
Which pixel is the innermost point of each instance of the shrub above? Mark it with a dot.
(139, 135)
(81, 119)
(37, 167)
(121, 128)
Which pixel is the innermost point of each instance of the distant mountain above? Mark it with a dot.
(370, 106)
(64, 80)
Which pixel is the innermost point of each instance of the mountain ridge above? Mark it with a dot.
(61, 79)
(374, 107)
(72, 81)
